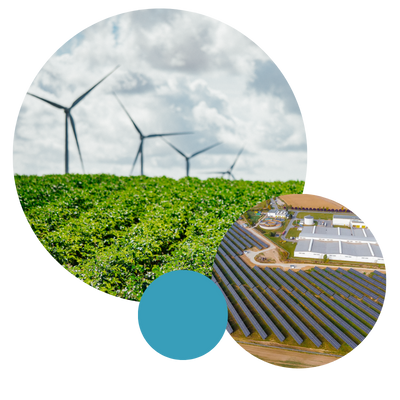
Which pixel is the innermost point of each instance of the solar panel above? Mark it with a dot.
(354, 310)
(364, 307)
(249, 315)
(274, 276)
(350, 317)
(335, 317)
(235, 241)
(339, 283)
(286, 276)
(240, 238)
(227, 270)
(238, 271)
(325, 320)
(232, 246)
(362, 290)
(301, 280)
(271, 308)
(229, 328)
(254, 237)
(219, 272)
(260, 311)
(329, 284)
(311, 321)
(377, 279)
(380, 274)
(364, 283)
(278, 316)
(315, 282)
(368, 279)
(379, 300)
(372, 303)
(234, 313)
(266, 277)
(247, 237)
(251, 273)
(227, 249)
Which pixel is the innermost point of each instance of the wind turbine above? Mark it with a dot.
(229, 171)
(193, 155)
(67, 111)
(144, 137)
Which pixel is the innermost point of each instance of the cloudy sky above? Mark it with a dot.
(178, 71)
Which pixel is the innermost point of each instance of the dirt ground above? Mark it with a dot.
(309, 200)
(287, 358)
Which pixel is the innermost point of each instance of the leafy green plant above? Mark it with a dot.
(120, 233)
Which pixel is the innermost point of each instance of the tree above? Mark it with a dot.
(325, 258)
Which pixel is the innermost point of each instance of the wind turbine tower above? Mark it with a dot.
(187, 158)
(143, 137)
(68, 115)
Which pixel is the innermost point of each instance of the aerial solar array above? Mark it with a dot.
(325, 308)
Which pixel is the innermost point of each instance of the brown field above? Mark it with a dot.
(309, 200)
(287, 358)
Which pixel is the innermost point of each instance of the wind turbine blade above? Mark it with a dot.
(232, 176)
(137, 155)
(240, 152)
(166, 141)
(207, 148)
(76, 139)
(48, 101)
(170, 134)
(86, 93)
(133, 122)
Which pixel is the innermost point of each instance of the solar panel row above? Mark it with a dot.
(364, 283)
(233, 266)
(362, 289)
(333, 276)
(251, 273)
(219, 272)
(227, 270)
(325, 320)
(272, 274)
(354, 310)
(240, 238)
(254, 237)
(335, 317)
(272, 309)
(345, 313)
(301, 280)
(229, 328)
(372, 303)
(278, 315)
(286, 276)
(232, 246)
(262, 313)
(246, 236)
(227, 249)
(380, 274)
(329, 284)
(364, 307)
(311, 320)
(368, 279)
(316, 283)
(264, 276)
(235, 241)
(377, 279)
(234, 313)
(248, 313)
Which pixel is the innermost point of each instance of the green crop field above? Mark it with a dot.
(118, 234)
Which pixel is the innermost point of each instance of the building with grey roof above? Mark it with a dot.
(346, 244)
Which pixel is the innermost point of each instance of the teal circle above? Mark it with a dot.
(182, 315)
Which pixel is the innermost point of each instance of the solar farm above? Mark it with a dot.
(321, 309)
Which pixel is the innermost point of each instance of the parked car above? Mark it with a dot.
(292, 266)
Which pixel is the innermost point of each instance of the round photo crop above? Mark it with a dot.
(304, 280)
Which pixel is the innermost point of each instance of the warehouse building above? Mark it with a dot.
(350, 221)
(278, 214)
(354, 244)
